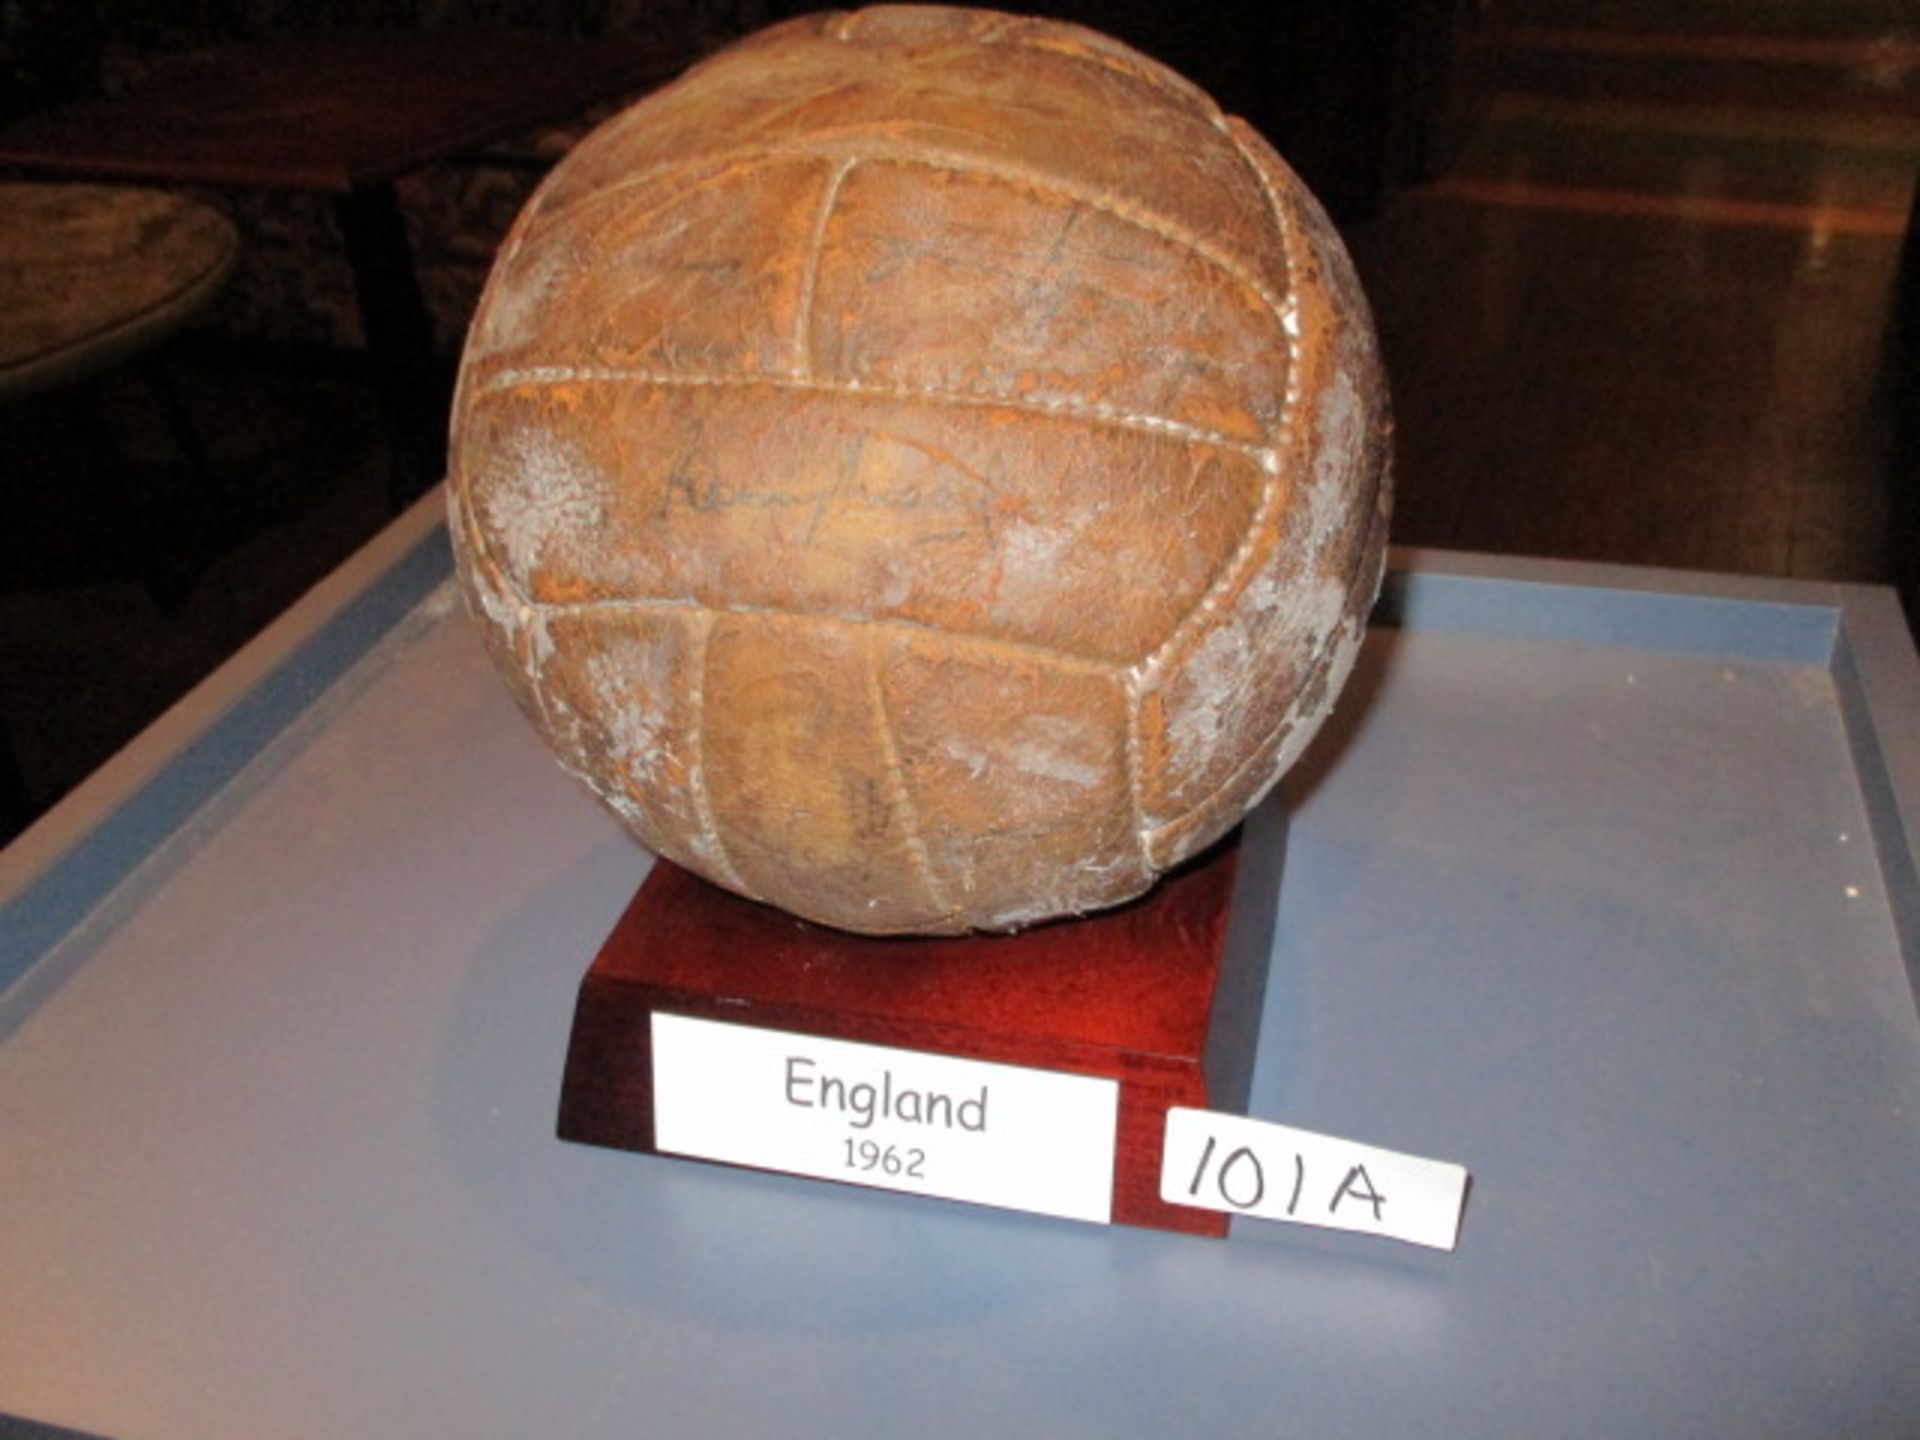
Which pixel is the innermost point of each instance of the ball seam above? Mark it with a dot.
(697, 766)
(810, 268)
(1130, 694)
(916, 845)
(1018, 649)
(1089, 412)
(1277, 490)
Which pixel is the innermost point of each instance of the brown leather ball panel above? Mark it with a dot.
(926, 469)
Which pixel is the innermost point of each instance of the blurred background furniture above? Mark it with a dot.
(93, 278)
(91, 275)
(343, 114)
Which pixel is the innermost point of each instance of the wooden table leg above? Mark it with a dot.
(414, 386)
(196, 517)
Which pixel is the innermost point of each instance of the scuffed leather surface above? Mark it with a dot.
(926, 469)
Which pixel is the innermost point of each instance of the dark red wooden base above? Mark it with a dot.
(1151, 995)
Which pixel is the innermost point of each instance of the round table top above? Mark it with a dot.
(89, 274)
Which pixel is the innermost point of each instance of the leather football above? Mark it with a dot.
(926, 469)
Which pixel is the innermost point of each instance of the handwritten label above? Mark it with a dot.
(895, 1119)
(1273, 1172)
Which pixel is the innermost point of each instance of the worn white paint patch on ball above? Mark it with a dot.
(548, 495)
(512, 312)
(1060, 748)
(630, 685)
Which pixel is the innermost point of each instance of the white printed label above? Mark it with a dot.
(1272, 1172)
(897, 1119)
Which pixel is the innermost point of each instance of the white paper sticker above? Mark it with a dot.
(1272, 1172)
(896, 1119)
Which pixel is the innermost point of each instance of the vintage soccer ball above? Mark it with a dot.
(926, 469)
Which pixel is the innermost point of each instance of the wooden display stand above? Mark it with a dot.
(1162, 995)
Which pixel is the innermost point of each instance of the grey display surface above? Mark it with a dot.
(1601, 884)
